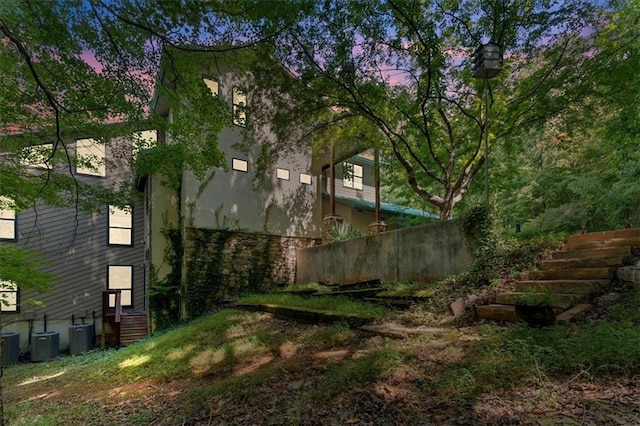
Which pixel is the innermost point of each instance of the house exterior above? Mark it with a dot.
(355, 194)
(86, 253)
(238, 230)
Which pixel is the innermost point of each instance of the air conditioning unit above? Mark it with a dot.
(10, 348)
(82, 338)
(45, 346)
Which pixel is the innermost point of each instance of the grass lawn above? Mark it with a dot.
(237, 367)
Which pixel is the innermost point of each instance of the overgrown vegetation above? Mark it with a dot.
(343, 231)
(234, 365)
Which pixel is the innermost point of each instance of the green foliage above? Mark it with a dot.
(164, 295)
(215, 270)
(343, 231)
(24, 268)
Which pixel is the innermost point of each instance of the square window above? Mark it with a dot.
(90, 157)
(120, 226)
(212, 85)
(239, 107)
(352, 175)
(121, 278)
(8, 296)
(282, 174)
(7, 219)
(305, 178)
(38, 156)
(240, 165)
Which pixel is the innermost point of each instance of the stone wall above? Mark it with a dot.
(223, 263)
(419, 254)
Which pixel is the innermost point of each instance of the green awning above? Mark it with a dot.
(388, 208)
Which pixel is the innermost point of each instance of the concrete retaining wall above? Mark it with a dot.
(420, 254)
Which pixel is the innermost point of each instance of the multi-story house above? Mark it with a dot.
(238, 230)
(87, 254)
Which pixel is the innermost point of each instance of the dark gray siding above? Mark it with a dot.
(75, 247)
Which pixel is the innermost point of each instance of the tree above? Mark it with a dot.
(579, 171)
(404, 68)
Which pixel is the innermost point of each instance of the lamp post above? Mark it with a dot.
(486, 64)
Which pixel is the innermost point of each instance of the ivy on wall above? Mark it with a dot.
(164, 295)
(223, 263)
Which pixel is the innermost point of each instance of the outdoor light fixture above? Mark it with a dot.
(486, 63)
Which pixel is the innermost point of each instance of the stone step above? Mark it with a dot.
(616, 242)
(555, 300)
(592, 253)
(495, 312)
(597, 262)
(574, 314)
(602, 236)
(563, 286)
(574, 274)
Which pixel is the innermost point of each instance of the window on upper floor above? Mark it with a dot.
(240, 165)
(239, 107)
(120, 226)
(90, 157)
(212, 85)
(7, 219)
(8, 296)
(120, 277)
(352, 175)
(145, 139)
(38, 156)
(305, 178)
(282, 174)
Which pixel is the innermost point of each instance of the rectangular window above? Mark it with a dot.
(121, 278)
(240, 165)
(37, 156)
(212, 85)
(352, 175)
(305, 178)
(8, 296)
(143, 140)
(282, 174)
(120, 226)
(7, 219)
(90, 157)
(239, 107)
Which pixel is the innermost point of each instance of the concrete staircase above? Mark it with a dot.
(585, 266)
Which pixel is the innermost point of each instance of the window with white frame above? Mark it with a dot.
(38, 156)
(90, 157)
(8, 296)
(7, 219)
(239, 107)
(120, 277)
(239, 165)
(305, 178)
(120, 226)
(282, 174)
(212, 85)
(352, 175)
